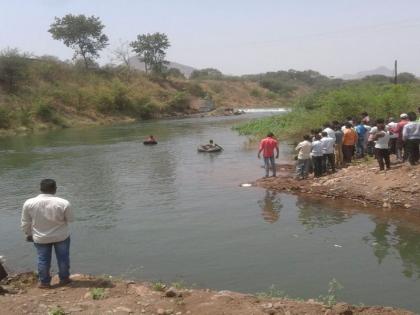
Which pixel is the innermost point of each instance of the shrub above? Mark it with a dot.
(255, 93)
(5, 118)
(196, 90)
(13, 69)
(45, 112)
(179, 102)
(97, 293)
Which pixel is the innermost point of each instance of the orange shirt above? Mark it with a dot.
(349, 137)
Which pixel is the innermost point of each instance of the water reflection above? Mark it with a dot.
(315, 215)
(270, 206)
(387, 238)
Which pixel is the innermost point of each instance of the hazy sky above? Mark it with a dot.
(238, 36)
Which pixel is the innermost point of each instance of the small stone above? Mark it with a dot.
(407, 205)
(161, 311)
(171, 292)
(169, 311)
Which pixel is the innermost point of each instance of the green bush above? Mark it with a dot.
(13, 69)
(196, 90)
(45, 112)
(380, 101)
(255, 93)
(5, 118)
(179, 102)
(144, 108)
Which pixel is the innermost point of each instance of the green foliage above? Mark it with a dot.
(406, 77)
(207, 74)
(277, 86)
(151, 49)
(312, 111)
(195, 89)
(82, 34)
(255, 93)
(330, 299)
(97, 293)
(175, 73)
(56, 311)
(13, 69)
(158, 286)
(5, 118)
(272, 292)
(179, 102)
(45, 112)
(179, 284)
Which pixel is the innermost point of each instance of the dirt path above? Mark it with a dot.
(363, 184)
(90, 295)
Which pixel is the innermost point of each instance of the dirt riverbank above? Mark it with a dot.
(361, 183)
(93, 295)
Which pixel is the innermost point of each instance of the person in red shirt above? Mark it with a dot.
(401, 150)
(267, 147)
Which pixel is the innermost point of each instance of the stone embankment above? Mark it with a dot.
(93, 295)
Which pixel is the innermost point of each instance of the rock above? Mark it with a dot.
(407, 205)
(161, 311)
(171, 292)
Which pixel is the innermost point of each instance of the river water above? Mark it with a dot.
(169, 213)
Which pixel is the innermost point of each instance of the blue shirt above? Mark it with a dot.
(361, 130)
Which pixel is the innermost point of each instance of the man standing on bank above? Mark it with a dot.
(267, 147)
(45, 221)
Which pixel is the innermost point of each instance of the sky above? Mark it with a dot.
(334, 37)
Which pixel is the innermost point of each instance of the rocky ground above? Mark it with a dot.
(361, 183)
(93, 295)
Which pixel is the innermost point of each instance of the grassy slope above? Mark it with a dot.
(378, 99)
(54, 94)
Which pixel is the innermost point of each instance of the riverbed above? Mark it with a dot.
(169, 213)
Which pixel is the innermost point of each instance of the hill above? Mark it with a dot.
(185, 70)
(362, 74)
(41, 93)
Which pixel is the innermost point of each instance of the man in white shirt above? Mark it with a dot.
(317, 155)
(304, 157)
(329, 130)
(45, 221)
(328, 159)
(411, 136)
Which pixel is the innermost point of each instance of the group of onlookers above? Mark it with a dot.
(337, 144)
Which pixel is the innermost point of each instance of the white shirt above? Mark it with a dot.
(327, 145)
(46, 218)
(317, 148)
(330, 132)
(411, 130)
(304, 148)
(383, 142)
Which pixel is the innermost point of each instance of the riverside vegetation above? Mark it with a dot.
(43, 92)
(374, 94)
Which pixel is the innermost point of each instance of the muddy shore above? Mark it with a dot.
(359, 184)
(103, 295)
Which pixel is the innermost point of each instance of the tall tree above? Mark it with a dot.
(83, 34)
(151, 49)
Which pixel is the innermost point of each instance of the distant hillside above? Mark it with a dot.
(186, 70)
(378, 71)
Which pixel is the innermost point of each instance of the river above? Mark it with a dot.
(168, 213)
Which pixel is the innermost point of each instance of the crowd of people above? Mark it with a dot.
(337, 144)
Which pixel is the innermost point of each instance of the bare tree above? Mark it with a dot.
(122, 54)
